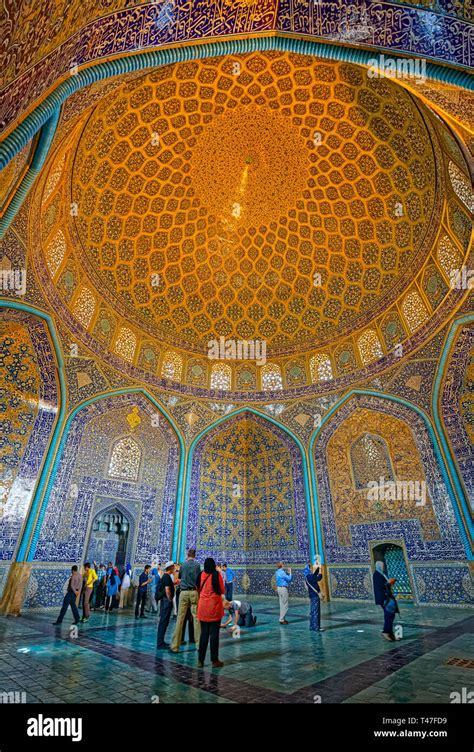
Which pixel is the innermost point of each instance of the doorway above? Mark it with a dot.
(109, 538)
(395, 565)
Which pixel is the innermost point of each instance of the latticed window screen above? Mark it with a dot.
(461, 186)
(172, 366)
(221, 376)
(414, 310)
(369, 346)
(125, 459)
(448, 256)
(54, 176)
(271, 377)
(370, 460)
(320, 367)
(84, 307)
(55, 252)
(126, 344)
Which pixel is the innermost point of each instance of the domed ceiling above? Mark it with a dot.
(268, 197)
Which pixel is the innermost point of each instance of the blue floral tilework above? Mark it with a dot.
(351, 583)
(450, 584)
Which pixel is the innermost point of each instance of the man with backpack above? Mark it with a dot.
(143, 582)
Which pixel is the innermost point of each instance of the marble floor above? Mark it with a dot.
(113, 659)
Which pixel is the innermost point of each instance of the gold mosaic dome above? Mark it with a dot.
(266, 195)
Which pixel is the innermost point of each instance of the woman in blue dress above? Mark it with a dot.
(313, 577)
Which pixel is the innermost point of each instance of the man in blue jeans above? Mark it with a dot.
(166, 591)
(228, 581)
(74, 587)
(143, 582)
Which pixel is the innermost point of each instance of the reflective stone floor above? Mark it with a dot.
(113, 659)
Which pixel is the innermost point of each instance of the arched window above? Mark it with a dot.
(55, 252)
(125, 459)
(320, 368)
(125, 344)
(370, 460)
(369, 347)
(172, 366)
(221, 376)
(461, 186)
(84, 307)
(449, 257)
(271, 377)
(414, 310)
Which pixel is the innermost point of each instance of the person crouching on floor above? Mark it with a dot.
(242, 614)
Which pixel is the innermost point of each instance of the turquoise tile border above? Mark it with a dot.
(435, 404)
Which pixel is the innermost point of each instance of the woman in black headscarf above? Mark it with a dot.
(384, 597)
(210, 611)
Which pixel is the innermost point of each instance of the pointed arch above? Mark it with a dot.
(123, 508)
(63, 441)
(462, 525)
(28, 536)
(311, 510)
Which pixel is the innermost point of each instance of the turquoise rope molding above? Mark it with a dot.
(182, 546)
(438, 422)
(46, 111)
(40, 154)
(34, 505)
(434, 441)
(62, 444)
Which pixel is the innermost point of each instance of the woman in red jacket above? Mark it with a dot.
(210, 611)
